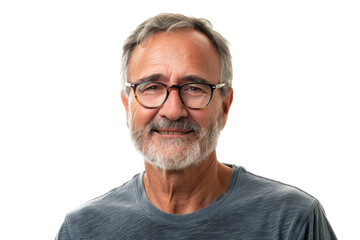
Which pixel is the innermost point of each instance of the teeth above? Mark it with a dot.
(172, 132)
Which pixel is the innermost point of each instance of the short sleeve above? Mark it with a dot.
(64, 233)
(315, 225)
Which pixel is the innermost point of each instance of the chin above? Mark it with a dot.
(173, 157)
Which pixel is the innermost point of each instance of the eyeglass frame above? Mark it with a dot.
(179, 87)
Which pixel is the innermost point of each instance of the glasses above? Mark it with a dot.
(155, 94)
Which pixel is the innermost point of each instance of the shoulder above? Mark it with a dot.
(273, 195)
(99, 216)
(104, 206)
(283, 208)
(265, 187)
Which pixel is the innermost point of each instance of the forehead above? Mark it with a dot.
(175, 54)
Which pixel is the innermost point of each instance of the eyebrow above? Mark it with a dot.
(193, 78)
(151, 78)
(186, 78)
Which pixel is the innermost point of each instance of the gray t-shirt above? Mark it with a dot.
(253, 208)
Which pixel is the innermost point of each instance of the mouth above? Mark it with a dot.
(173, 132)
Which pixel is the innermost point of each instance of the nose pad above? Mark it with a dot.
(177, 93)
(173, 108)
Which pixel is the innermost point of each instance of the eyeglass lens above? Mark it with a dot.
(194, 95)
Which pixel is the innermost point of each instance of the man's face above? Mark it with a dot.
(173, 136)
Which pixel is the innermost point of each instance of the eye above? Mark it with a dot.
(196, 89)
(152, 88)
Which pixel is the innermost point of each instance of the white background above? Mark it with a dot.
(63, 137)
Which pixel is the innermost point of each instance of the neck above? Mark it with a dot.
(187, 190)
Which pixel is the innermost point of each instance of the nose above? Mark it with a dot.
(173, 108)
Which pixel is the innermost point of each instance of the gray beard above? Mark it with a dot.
(176, 153)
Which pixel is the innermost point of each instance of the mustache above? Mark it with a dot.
(181, 123)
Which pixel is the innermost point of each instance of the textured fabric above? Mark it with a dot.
(253, 208)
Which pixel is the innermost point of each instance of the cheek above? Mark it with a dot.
(209, 115)
(203, 117)
(140, 116)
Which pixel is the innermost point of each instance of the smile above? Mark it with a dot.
(170, 132)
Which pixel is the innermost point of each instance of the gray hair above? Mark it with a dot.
(167, 22)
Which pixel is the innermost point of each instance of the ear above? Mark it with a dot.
(226, 105)
(125, 101)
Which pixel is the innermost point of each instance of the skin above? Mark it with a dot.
(173, 56)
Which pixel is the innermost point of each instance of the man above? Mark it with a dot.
(177, 94)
